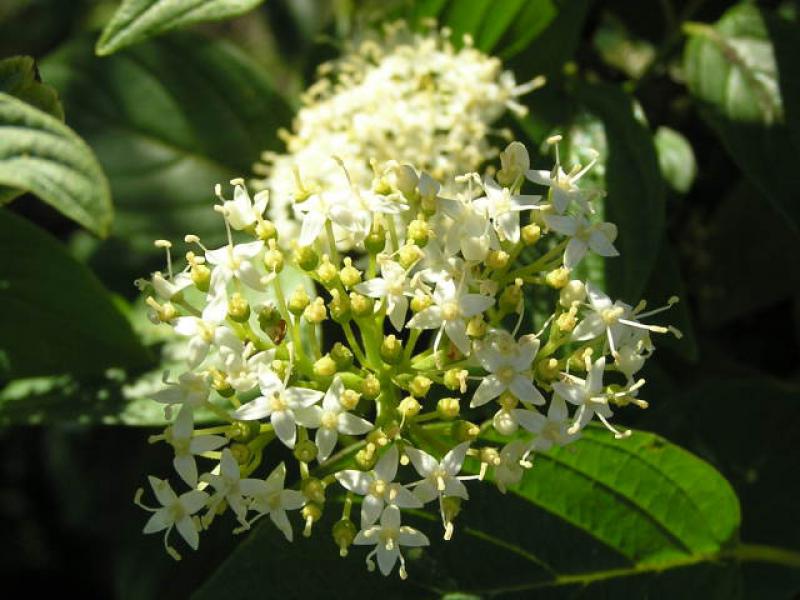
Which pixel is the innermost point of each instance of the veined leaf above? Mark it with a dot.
(137, 20)
(55, 317)
(41, 155)
(19, 77)
(169, 119)
(676, 159)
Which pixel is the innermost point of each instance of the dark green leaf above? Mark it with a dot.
(635, 188)
(41, 155)
(55, 317)
(676, 159)
(169, 119)
(137, 20)
(19, 77)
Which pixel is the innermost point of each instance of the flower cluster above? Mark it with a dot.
(428, 347)
(397, 96)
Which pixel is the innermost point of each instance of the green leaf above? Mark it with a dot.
(731, 69)
(55, 317)
(19, 77)
(169, 119)
(629, 518)
(41, 155)
(635, 188)
(676, 159)
(137, 20)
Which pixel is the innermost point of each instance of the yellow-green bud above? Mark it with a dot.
(490, 456)
(371, 387)
(419, 386)
(349, 275)
(557, 278)
(344, 532)
(420, 301)
(547, 370)
(464, 431)
(265, 230)
(418, 232)
(219, 382)
(273, 258)
(268, 316)
(313, 489)
(409, 407)
(312, 512)
(306, 451)
(448, 408)
(408, 255)
(349, 399)
(577, 360)
(511, 297)
(306, 258)
(456, 379)
(315, 312)
(362, 306)
(325, 367)
(298, 301)
(240, 452)
(339, 307)
(366, 457)
(567, 321)
(238, 308)
(497, 259)
(508, 401)
(574, 291)
(530, 234)
(504, 422)
(201, 277)
(342, 356)
(326, 271)
(476, 327)
(244, 431)
(391, 349)
(375, 241)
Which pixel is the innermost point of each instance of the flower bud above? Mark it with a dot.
(375, 241)
(504, 422)
(547, 370)
(514, 162)
(240, 452)
(342, 356)
(349, 275)
(362, 306)
(476, 327)
(406, 180)
(266, 230)
(201, 276)
(306, 451)
(273, 258)
(244, 431)
(557, 278)
(366, 457)
(391, 349)
(408, 255)
(508, 401)
(419, 386)
(339, 307)
(349, 399)
(371, 387)
(420, 301)
(418, 232)
(530, 234)
(298, 301)
(326, 271)
(344, 532)
(315, 312)
(219, 383)
(511, 297)
(325, 367)
(577, 360)
(428, 189)
(313, 489)
(306, 258)
(497, 259)
(448, 408)
(456, 379)
(464, 431)
(489, 456)
(409, 407)
(238, 308)
(573, 292)
(567, 321)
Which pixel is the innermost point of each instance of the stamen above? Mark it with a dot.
(166, 244)
(617, 433)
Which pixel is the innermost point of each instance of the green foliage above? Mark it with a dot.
(41, 155)
(675, 158)
(138, 20)
(169, 119)
(19, 77)
(56, 317)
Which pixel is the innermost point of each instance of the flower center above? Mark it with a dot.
(450, 311)
(378, 488)
(505, 375)
(278, 403)
(611, 314)
(330, 419)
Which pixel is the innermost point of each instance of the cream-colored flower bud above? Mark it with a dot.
(511, 297)
(456, 379)
(298, 301)
(306, 258)
(238, 308)
(266, 230)
(342, 356)
(325, 366)
(326, 271)
(464, 431)
(408, 255)
(420, 301)
(573, 292)
(419, 232)
(371, 387)
(557, 278)
(339, 307)
(531, 234)
(362, 306)
(409, 407)
(419, 386)
(391, 349)
(567, 321)
(273, 258)
(497, 259)
(477, 327)
(448, 408)
(504, 422)
(349, 275)
(349, 399)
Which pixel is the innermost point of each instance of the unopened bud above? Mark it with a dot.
(371, 387)
(420, 301)
(464, 431)
(306, 258)
(557, 278)
(313, 489)
(339, 307)
(342, 356)
(375, 241)
(362, 306)
(531, 234)
(326, 271)
(298, 301)
(573, 292)
(497, 259)
(508, 401)
(315, 312)
(266, 230)
(408, 255)
(344, 532)
(244, 431)
(448, 408)
(418, 232)
(325, 367)
(349, 275)
(409, 407)
(349, 399)
(220, 384)
(456, 379)
(305, 451)
(476, 327)
(238, 308)
(419, 386)
(273, 258)
(391, 349)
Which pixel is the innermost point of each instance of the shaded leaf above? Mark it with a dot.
(41, 155)
(675, 158)
(55, 317)
(137, 20)
(169, 119)
(19, 77)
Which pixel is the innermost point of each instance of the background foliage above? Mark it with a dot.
(695, 108)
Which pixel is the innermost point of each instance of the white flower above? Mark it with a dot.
(242, 212)
(186, 446)
(191, 389)
(452, 306)
(270, 498)
(550, 430)
(176, 511)
(168, 288)
(439, 478)
(226, 482)
(508, 363)
(236, 261)
(205, 330)
(510, 468)
(465, 228)
(387, 539)
(393, 287)
(503, 208)
(563, 185)
(597, 237)
(243, 365)
(378, 488)
(332, 419)
(285, 406)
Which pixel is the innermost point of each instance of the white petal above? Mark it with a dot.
(281, 521)
(387, 558)
(374, 288)
(576, 250)
(158, 521)
(591, 327)
(313, 222)
(560, 224)
(454, 459)
(404, 498)
(162, 490)
(283, 422)
(454, 487)
(371, 508)
(411, 537)
(430, 318)
(523, 388)
(570, 392)
(472, 304)
(397, 314)
(558, 409)
(457, 332)
(423, 462)
(298, 397)
(188, 531)
(186, 467)
(353, 425)
(390, 518)
(253, 410)
(386, 469)
(530, 419)
(308, 417)
(426, 492)
(356, 481)
(489, 389)
(326, 442)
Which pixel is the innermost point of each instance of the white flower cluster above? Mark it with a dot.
(400, 96)
(429, 306)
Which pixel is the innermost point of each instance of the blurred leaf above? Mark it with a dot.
(730, 67)
(55, 317)
(169, 119)
(620, 49)
(19, 77)
(638, 517)
(41, 155)
(635, 188)
(675, 158)
(138, 20)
